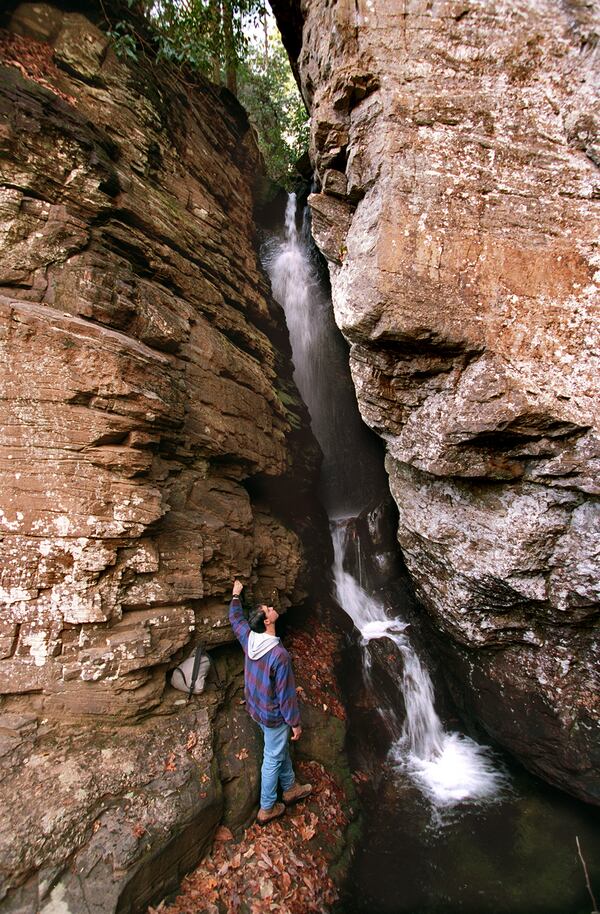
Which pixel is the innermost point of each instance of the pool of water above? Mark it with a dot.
(517, 855)
(513, 854)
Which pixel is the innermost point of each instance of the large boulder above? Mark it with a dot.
(456, 149)
(99, 818)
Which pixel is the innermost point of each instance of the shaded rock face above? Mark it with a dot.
(98, 819)
(456, 149)
(146, 373)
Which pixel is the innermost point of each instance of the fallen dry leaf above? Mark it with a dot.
(314, 652)
(307, 832)
(360, 777)
(282, 868)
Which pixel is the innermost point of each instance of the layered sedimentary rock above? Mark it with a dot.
(99, 819)
(146, 404)
(146, 373)
(457, 153)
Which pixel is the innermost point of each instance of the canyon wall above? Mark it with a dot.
(455, 146)
(147, 373)
(148, 413)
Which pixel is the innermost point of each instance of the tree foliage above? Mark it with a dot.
(206, 34)
(235, 43)
(268, 91)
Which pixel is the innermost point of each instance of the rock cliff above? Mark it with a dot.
(147, 376)
(456, 148)
(147, 413)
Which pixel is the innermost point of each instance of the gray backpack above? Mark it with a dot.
(190, 675)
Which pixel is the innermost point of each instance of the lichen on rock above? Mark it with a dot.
(144, 360)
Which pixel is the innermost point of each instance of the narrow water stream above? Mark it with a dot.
(444, 817)
(447, 766)
(352, 473)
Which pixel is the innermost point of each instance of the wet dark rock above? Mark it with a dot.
(107, 819)
(239, 747)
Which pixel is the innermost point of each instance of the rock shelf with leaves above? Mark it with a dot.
(283, 867)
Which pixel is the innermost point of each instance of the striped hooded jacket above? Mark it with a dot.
(270, 687)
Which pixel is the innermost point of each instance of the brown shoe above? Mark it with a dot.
(297, 792)
(266, 815)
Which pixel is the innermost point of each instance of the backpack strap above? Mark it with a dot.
(195, 670)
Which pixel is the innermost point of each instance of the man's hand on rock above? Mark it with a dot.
(296, 733)
(237, 588)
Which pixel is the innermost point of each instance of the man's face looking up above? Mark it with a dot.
(271, 615)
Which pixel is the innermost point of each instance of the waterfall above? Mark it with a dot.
(348, 478)
(422, 729)
(448, 767)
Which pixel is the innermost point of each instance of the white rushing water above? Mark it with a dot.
(320, 360)
(296, 289)
(448, 767)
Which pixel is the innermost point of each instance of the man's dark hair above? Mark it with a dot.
(256, 620)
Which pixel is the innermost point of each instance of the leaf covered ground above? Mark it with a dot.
(314, 655)
(281, 867)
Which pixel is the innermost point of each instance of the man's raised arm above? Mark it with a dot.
(239, 624)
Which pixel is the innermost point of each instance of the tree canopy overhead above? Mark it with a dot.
(235, 43)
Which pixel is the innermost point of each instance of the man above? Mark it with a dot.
(271, 701)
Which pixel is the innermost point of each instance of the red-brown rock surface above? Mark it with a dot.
(146, 403)
(144, 373)
(456, 147)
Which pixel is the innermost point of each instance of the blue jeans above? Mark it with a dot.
(277, 764)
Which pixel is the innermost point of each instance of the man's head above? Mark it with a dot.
(263, 619)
